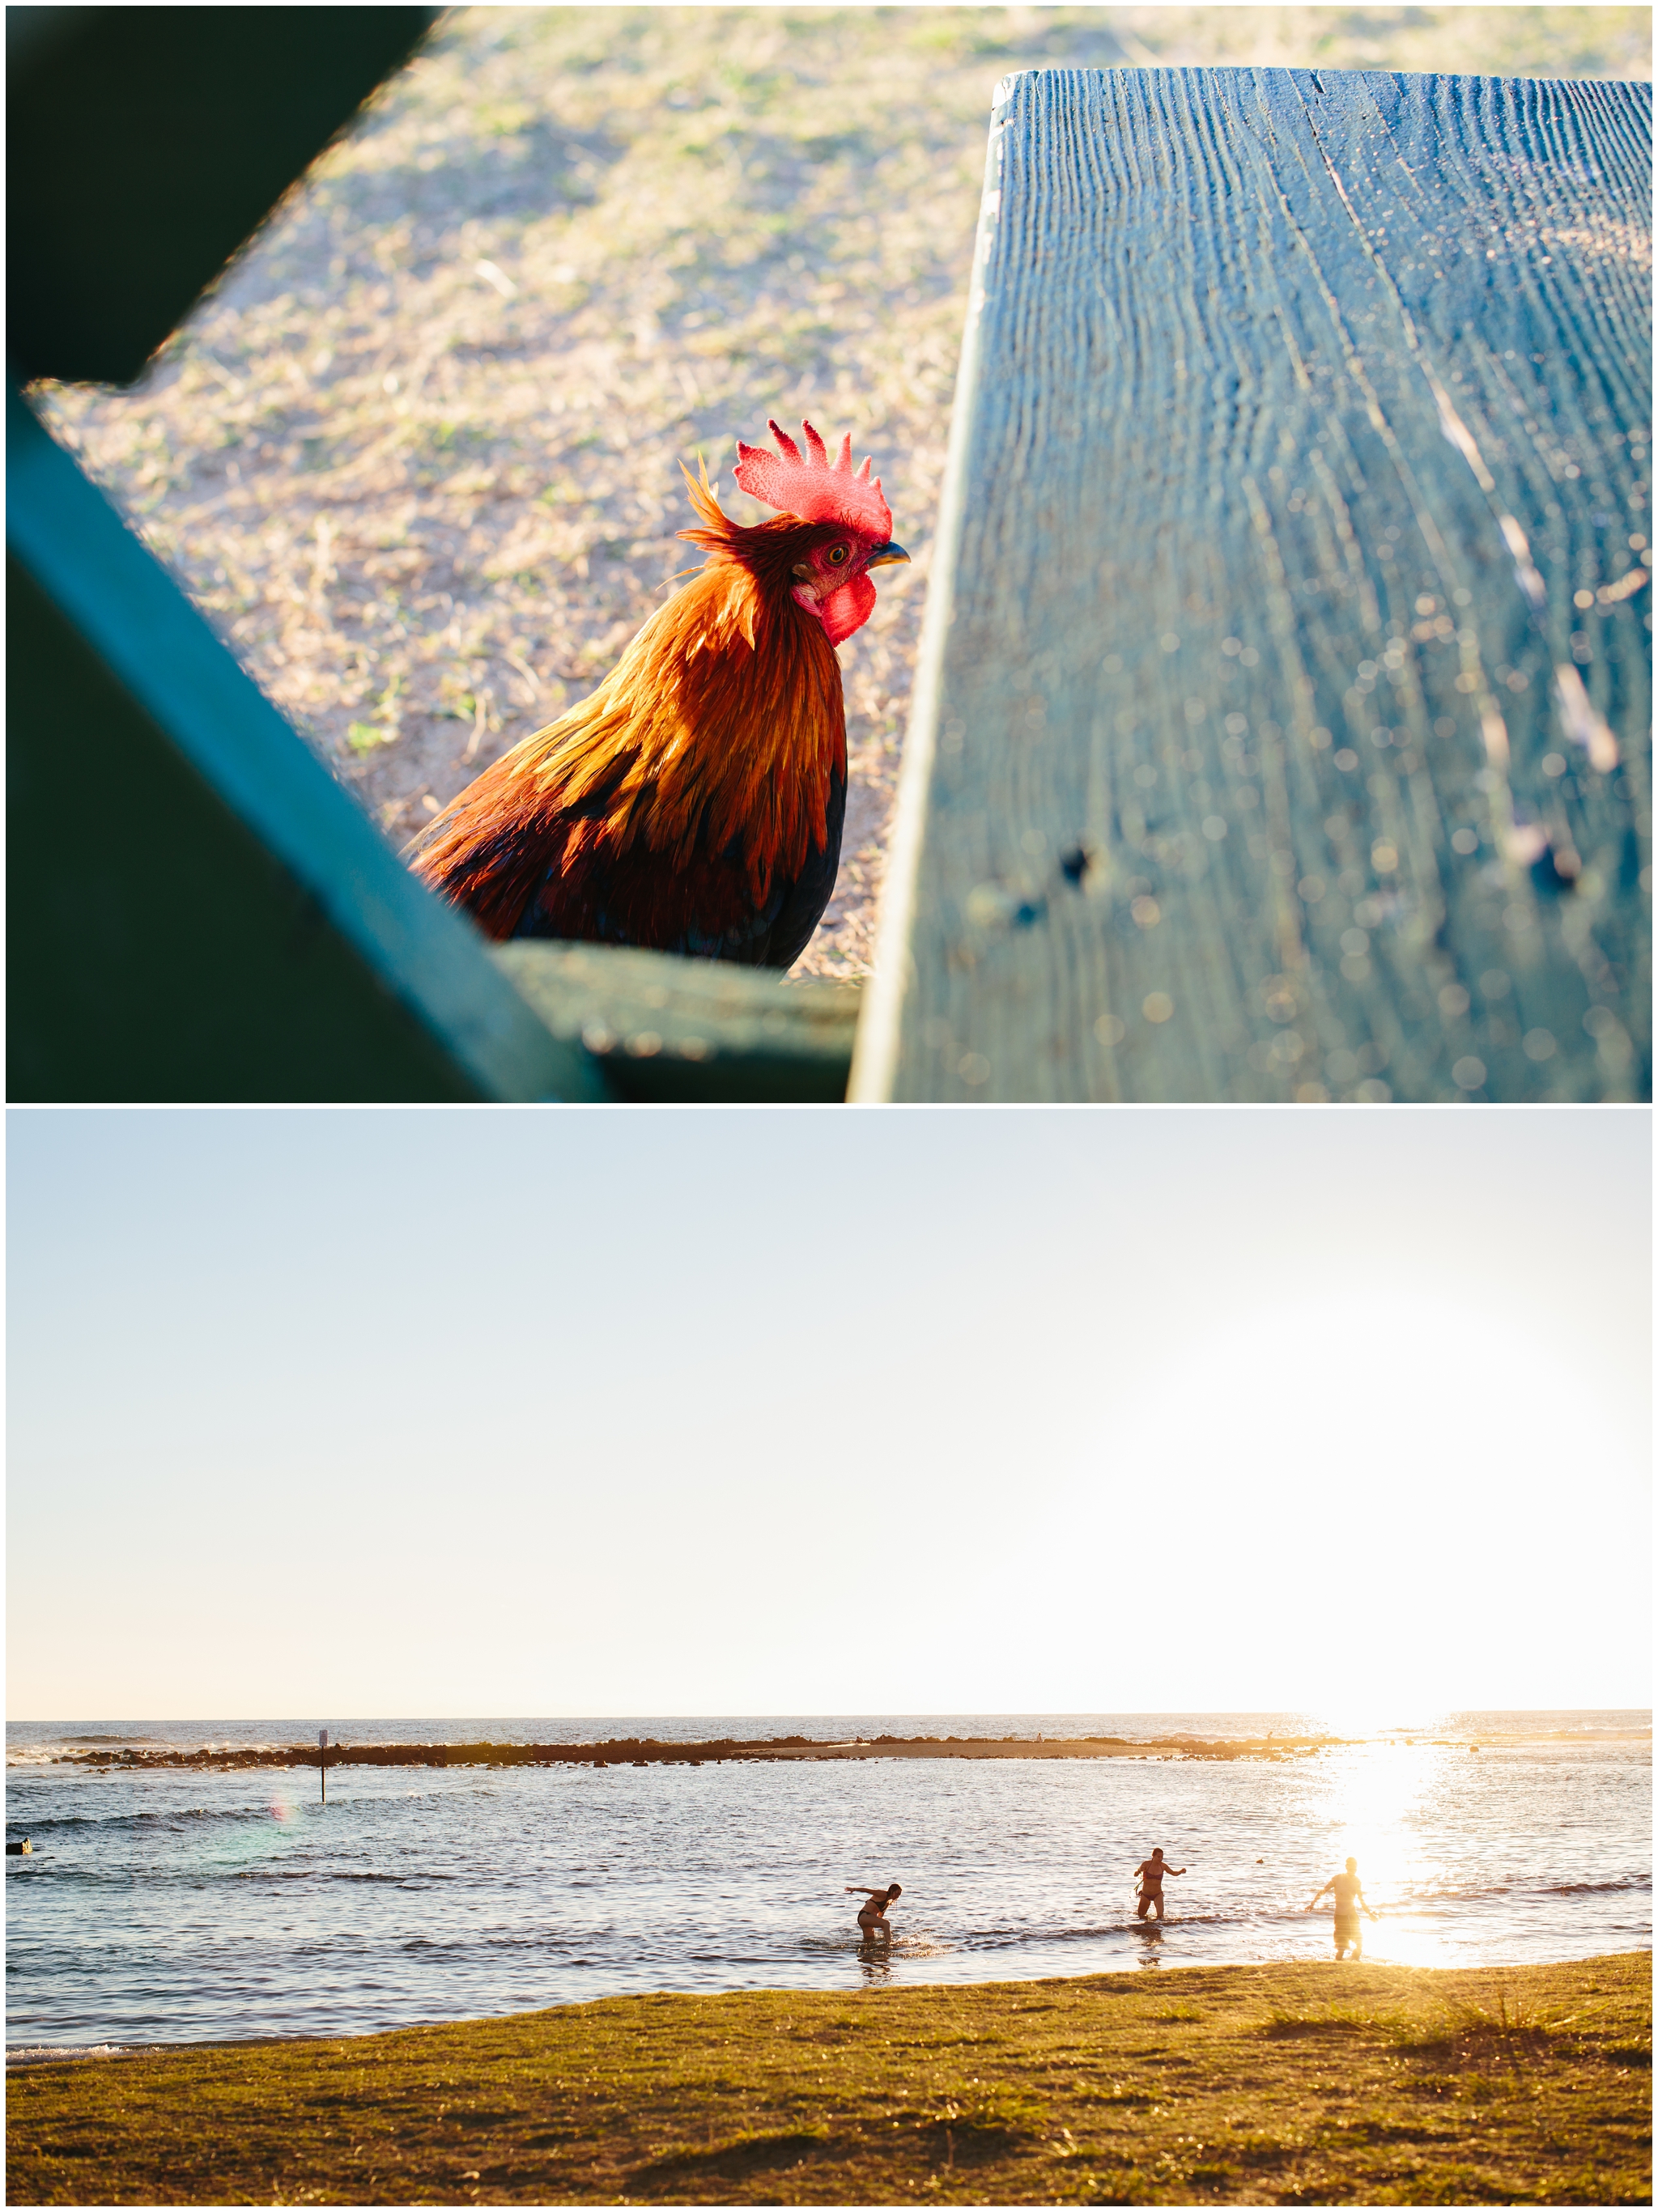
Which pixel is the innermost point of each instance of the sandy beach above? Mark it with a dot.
(1312, 2083)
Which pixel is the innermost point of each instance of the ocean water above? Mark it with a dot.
(176, 1905)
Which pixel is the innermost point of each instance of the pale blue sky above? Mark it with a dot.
(435, 1412)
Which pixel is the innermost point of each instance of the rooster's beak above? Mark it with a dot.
(889, 551)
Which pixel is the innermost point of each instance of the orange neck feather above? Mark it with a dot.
(724, 715)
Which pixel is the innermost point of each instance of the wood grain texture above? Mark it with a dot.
(1282, 730)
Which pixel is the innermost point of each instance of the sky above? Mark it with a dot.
(381, 1414)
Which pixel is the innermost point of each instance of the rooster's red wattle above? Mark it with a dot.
(693, 802)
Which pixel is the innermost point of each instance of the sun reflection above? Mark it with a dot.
(1374, 1793)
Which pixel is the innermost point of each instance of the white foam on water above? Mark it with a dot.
(51, 2054)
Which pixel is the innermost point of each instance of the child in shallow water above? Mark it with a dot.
(872, 1917)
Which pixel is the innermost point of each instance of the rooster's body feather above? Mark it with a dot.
(693, 802)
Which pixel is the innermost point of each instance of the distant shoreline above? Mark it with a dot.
(650, 1751)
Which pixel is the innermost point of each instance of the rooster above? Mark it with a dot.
(693, 803)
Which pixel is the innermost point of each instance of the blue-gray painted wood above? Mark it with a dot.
(196, 911)
(1281, 729)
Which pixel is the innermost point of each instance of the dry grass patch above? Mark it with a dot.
(1290, 2084)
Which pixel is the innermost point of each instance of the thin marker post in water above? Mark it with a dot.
(322, 1761)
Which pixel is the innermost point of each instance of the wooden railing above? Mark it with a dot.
(1282, 728)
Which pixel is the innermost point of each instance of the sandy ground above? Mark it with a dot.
(416, 457)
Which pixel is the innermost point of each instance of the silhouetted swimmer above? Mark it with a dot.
(1350, 1897)
(1151, 1872)
(872, 1917)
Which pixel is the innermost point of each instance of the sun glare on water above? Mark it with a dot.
(1375, 1796)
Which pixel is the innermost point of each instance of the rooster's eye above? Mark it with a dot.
(838, 554)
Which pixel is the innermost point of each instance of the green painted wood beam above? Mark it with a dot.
(690, 1031)
(196, 911)
(1281, 728)
(144, 145)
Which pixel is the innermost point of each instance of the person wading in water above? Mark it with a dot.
(1350, 1897)
(1151, 1872)
(872, 1917)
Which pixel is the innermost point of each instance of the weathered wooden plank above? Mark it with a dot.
(693, 1031)
(1281, 729)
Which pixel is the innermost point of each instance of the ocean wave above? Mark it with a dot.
(337, 1873)
(144, 1821)
(49, 2054)
(1593, 1889)
(1131, 1922)
(79, 1747)
(95, 1753)
(909, 1946)
(1014, 1939)
(1561, 1735)
(1476, 1892)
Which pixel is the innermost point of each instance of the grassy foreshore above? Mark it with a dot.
(1281, 2084)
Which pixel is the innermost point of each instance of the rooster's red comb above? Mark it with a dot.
(815, 489)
